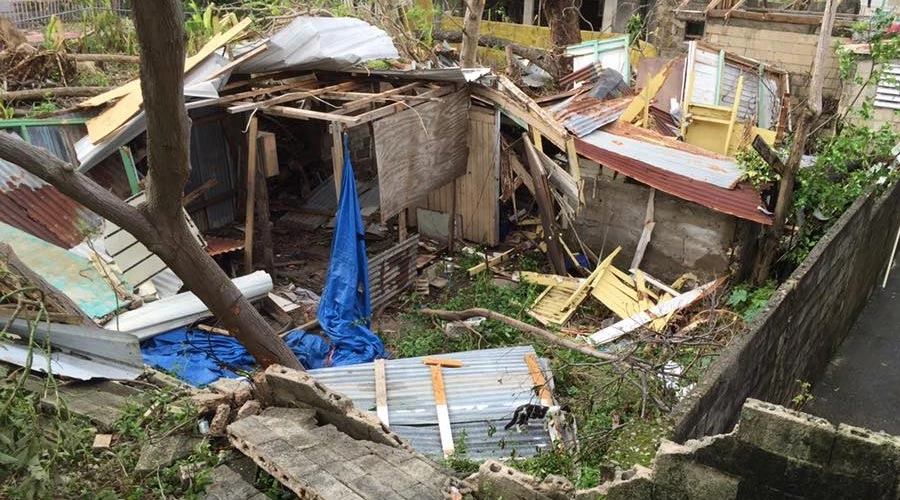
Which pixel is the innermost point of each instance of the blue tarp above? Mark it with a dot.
(345, 312)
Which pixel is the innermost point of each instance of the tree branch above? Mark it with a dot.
(160, 31)
(524, 327)
(543, 59)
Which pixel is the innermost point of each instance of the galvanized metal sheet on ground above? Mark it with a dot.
(420, 150)
(482, 396)
(72, 274)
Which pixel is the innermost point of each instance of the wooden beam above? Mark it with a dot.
(391, 109)
(294, 96)
(307, 114)
(365, 101)
(545, 208)
(337, 158)
(518, 111)
(649, 224)
(233, 64)
(768, 154)
(734, 113)
(777, 17)
(381, 401)
(265, 224)
(451, 229)
(250, 206)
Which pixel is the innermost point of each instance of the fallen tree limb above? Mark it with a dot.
(124, 58)
(543, 59)
(524, 327)
(38, 94)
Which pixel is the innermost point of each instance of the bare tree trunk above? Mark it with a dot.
(563, 17)
(471, 31)
(159, 223)
(813, 108)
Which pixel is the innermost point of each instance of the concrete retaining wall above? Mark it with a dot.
(805, 321)
(774, 453)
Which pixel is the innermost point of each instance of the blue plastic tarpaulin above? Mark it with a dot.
(345, 312)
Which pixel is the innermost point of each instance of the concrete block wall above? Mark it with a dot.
(803, 324)
(687, 237)
(789, 50)
(774, 453)
(853, 95)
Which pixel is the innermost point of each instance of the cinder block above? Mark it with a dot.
(291, 386)
(865, 454)
(784, 432)
(679, 476)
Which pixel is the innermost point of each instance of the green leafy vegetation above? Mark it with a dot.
(105, 31)
(621, 413)
(803, 397)
(749, 301)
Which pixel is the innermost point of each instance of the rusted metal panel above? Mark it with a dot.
(742, 201)
(586, 114)
(217, 246)
(32, 205)
(393, 271)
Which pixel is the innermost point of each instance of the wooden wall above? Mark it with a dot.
(478, 191)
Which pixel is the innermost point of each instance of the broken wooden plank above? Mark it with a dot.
(632, 323)
(493, 261)
(544, 201)
(643, 99)
(111, 119)
(234, 63)
(251, 195)
(649, 224)
(381, 401)
(268, 147)
(558, 303)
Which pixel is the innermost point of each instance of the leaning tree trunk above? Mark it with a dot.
(159, 223)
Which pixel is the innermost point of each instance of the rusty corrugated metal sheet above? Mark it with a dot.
(216, 245)
(742, 201)
(585, 114)
(32, 205)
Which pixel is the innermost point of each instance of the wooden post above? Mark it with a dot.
(265, 224)
(401, 226)
(337, 157)
(252, 131)
(545, 207)
(769, 248)
(451, 226)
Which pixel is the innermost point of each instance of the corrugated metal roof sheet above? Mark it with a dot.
(742, 201)
(585, 114)
(327, 43)
(482, 396)
(72, 274)
(32, 205)
(669, 156)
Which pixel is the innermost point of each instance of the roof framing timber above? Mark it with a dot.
(361, 101)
